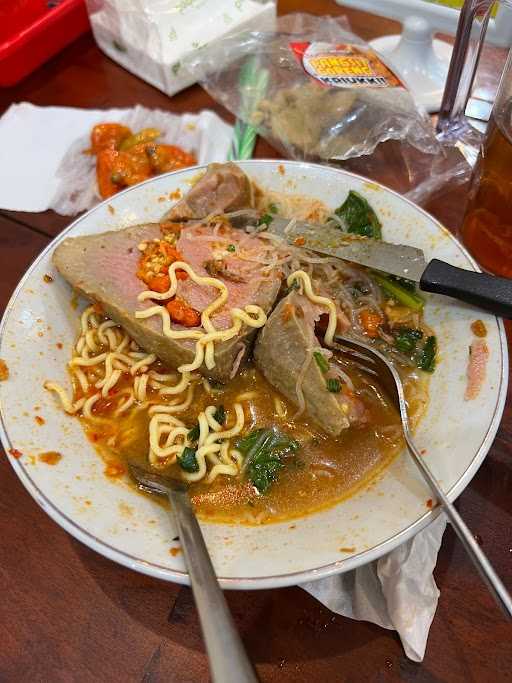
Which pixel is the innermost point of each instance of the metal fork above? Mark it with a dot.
(228, 660)
(373, 362)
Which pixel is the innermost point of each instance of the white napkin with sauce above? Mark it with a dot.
(398, 591)
(44, 145)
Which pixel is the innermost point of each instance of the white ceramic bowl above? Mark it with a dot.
(114, 520)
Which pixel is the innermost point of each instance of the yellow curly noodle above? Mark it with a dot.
(251, 315)
(279, 408)
(304, 281)
(94, 369)
(169, 437)
(301, 278)
(214, 445)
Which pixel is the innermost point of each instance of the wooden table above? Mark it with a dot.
(67, 614)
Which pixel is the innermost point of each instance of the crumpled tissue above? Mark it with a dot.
(47, 166)
(397, 591)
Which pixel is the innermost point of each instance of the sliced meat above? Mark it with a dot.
(477, 368)
(103, 268)
(223, 188)
(284, 353)
(244, 280)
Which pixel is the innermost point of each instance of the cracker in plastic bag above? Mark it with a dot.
(329, 95)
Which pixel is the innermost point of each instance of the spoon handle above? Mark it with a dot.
(478, 557)
(228, 660)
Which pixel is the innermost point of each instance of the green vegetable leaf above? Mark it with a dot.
(187, 460)
(231, 248)
(409, 285)
(359, 216)
(333, 385)
(264, 450)
(266, 219)
(410, 299)
(220, 415)
(406, 339)
(426, 358)
(193, 434)
(321, 361)
(272, 208)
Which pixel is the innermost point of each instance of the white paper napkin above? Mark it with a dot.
(396, 592)
(44, 146)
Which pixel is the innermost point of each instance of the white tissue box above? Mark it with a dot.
(151, 38)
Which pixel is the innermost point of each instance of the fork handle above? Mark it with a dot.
(227, 657)
(478, 557)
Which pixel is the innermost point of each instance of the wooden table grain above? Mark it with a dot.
(67, 614)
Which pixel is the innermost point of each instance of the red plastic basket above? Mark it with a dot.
(32, 31)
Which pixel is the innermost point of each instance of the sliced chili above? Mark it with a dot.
(183, 314)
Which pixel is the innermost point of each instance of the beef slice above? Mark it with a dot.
(209, 256)
(223, 188)
(282, 348)
(103, 269)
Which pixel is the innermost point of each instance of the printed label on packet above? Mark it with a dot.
(345, 65)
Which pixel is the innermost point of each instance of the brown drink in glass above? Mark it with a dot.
(487, 227)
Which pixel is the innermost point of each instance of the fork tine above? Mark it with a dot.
(356, 358)
(356, 355)
(373, 362)
(361, 366)
(353, 353)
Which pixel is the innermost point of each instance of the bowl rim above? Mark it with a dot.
(266, 581)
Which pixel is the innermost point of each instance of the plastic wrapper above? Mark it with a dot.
(453, 173)
(435, 178)
(329, 96)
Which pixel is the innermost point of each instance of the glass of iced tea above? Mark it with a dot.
(487, 226)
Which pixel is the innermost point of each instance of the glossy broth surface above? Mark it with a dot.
(324, 470)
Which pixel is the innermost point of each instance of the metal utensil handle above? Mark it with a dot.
(478, 557)
(464, 61)
(489, 292)
(228, 660)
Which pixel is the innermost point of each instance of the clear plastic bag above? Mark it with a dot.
(328, 95)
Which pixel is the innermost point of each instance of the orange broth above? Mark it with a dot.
(323, 472)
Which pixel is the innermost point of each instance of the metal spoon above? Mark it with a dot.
(228, 660)
(376, 364)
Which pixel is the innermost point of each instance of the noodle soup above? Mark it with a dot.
(325, 471)
(209, 353)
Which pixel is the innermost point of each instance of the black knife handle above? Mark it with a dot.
(490, 292)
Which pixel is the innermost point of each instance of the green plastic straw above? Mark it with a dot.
(253, 83)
